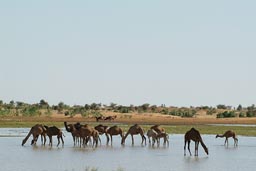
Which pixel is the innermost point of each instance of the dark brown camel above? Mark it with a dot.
(227, 135)
(99, 118)
(114, 130)
(54, 131)
(158, 129)
(195, 136)
(110, 118)
(36, 130)
(74, 132)
(134, 130)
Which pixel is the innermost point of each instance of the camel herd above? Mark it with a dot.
(82, 134)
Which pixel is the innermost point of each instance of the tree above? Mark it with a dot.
(145, 106)
(43, 104)
(221, 106)
(239, 108)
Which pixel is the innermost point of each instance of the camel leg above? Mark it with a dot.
(99, 140)
(50, 140)
(58, 140)
(74, 140)
(189, 147)
(185, 147)
(62, 140)
(196, 148)
(111, 139)
(132, 139)
(107, 138)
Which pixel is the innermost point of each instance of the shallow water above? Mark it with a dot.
(130, 158)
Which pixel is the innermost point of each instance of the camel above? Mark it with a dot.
(152, 134)
(114, 130)
(99, 118)
(36, 130)
(102, 130)
(54, 131)
(134, 130)
(158, 129)
(227, 135)
(165, 136)
(74, 132)
(195, 136)
(110, 118)
(85, 132)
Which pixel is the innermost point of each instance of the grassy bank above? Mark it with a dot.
(171, 129)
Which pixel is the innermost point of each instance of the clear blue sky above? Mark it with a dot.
(179, 53)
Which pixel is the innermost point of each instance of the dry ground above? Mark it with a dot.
(131, 118)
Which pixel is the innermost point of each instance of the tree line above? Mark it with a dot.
(96, 109)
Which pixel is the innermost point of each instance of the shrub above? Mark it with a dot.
(226, 114)
(30, 111)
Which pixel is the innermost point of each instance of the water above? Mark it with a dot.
(129, 158)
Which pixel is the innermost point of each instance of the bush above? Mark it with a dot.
(241, 114)
(251, 113)
(4, 112)
(226, 114)
(30, 111)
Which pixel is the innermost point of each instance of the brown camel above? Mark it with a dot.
(152, 134)
(165, 136)
(195, 136)
(54, 131)
(74, 132)
(114, 130)
(85, 132)
(134, 130)
(100, 118)
(36, 130)
(158, 129)
(110, 118)
(102, 129)
(227, 135)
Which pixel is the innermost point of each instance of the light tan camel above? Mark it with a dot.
(195, 136)
(74, 132)
(36, 130)
(227, 135)
(114, 130)
(152, 134)
(54, 131)
(134, 130)
(158, 129)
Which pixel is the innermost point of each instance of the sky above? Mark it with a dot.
(177, 53)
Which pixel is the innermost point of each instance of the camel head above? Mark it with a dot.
(123, 141)
(23, 142)
(217, 136)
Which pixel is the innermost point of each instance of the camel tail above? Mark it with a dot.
(26, 138)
